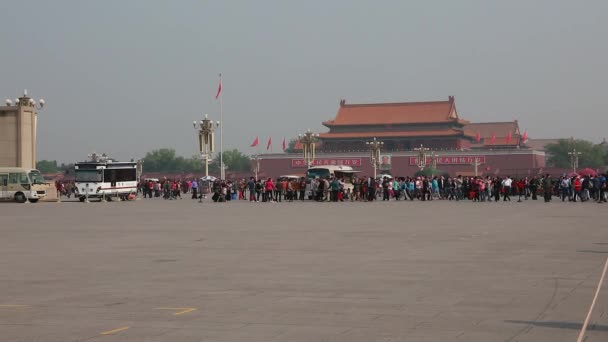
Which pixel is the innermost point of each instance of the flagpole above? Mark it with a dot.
(222, 170)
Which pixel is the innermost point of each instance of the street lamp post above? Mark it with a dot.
(574, 155)
(375, 147)
(140, 168)
(308, 141)
(256, 167)
(422, 153)
(434, 157)
(205, 139)
(476, 163)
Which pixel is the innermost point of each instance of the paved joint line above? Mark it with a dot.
(184, 312)
(110, 332)
(15, 306)
(181, 311)
(12, 306)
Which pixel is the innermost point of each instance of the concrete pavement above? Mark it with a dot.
(155, 270)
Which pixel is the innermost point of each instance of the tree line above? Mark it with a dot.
(166, 160)
(591, 155)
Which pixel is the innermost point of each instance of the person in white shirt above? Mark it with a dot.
(506, 183)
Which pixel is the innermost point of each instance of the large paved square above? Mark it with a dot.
(154, 270)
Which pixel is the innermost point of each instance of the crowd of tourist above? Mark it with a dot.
(423, 188)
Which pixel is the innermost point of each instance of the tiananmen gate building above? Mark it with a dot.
(455, 144)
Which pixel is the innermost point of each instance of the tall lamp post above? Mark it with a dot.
(140, 168)
(206, 134)
(375, 147)
(574, 154)
(434, 157)
(308, 140)
(422, 153)
(476, 163)
(256, 166)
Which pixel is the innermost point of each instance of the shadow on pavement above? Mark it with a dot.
(561, 325)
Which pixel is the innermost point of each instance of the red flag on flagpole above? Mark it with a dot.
(284, 146)
(509, 136)
(524, 137)
(219, 88)
(269, 145)
(493, 139)
(255, 142)
(478, 137)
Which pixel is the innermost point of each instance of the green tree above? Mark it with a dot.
(47, 166)
(67, 169)
(591, 155)
(161, 160)
(234, 160)
(166, 160)
(291, 146)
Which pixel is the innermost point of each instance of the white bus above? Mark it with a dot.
(20, 185)
(105, 179)
(341, 171)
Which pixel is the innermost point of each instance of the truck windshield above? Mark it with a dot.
(88, 176)
(36, 177)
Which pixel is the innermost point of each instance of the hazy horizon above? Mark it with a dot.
(127, 77)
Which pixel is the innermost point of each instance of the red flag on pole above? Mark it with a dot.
(255, 142)
(219, 88)
(284, 146)
(478, 137)
(269, 145)
(524, 137)
(509, 136)
(493, 139)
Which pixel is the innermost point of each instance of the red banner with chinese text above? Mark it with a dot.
(354, 162)
(451, 160)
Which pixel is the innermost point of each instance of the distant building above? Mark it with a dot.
(455, 145)
(495, 135)
(407, 125)
(401, 126)
(540, 144)
(18, 133)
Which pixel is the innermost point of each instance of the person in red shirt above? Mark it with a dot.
(521, 184)
(578, 186)
(269, 189)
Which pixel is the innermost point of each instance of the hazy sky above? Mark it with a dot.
(125, 77)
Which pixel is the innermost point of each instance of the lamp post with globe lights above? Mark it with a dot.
(256, 166)
(206, 134)
(25, 100)
(574, 155)
(422, 154)
(375, 147)
(25, 110)
(308, 140)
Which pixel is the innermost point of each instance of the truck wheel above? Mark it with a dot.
(20, 197)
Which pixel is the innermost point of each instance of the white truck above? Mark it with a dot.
(105, 180)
